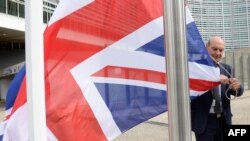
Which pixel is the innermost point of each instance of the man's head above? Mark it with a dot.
(215, 47)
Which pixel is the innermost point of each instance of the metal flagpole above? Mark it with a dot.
(35, 69)
(177, 71)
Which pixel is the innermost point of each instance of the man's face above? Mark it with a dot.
(216, 49)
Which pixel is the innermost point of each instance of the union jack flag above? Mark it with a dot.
(105, 70)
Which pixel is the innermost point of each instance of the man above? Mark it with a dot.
(211, 111)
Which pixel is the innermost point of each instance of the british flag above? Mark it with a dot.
(105, 70)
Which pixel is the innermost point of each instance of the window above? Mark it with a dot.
(3, 6)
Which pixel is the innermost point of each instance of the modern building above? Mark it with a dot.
(227, 18)
(12, 37)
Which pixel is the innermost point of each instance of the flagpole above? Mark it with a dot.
(177, 71)
(35, 69)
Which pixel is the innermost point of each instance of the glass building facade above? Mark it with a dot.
(16, 8)
(227, 18)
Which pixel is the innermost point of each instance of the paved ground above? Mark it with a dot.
(156, 129)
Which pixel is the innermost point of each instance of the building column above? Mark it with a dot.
(4, 84)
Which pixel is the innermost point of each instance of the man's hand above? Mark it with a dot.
(224, 79)
(233, 82)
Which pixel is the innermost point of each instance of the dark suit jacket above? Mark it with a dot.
(201, 105)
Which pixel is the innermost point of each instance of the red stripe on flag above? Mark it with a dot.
(132, 73)
(150, 76)
(202, 85)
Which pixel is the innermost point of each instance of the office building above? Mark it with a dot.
(227, 18)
